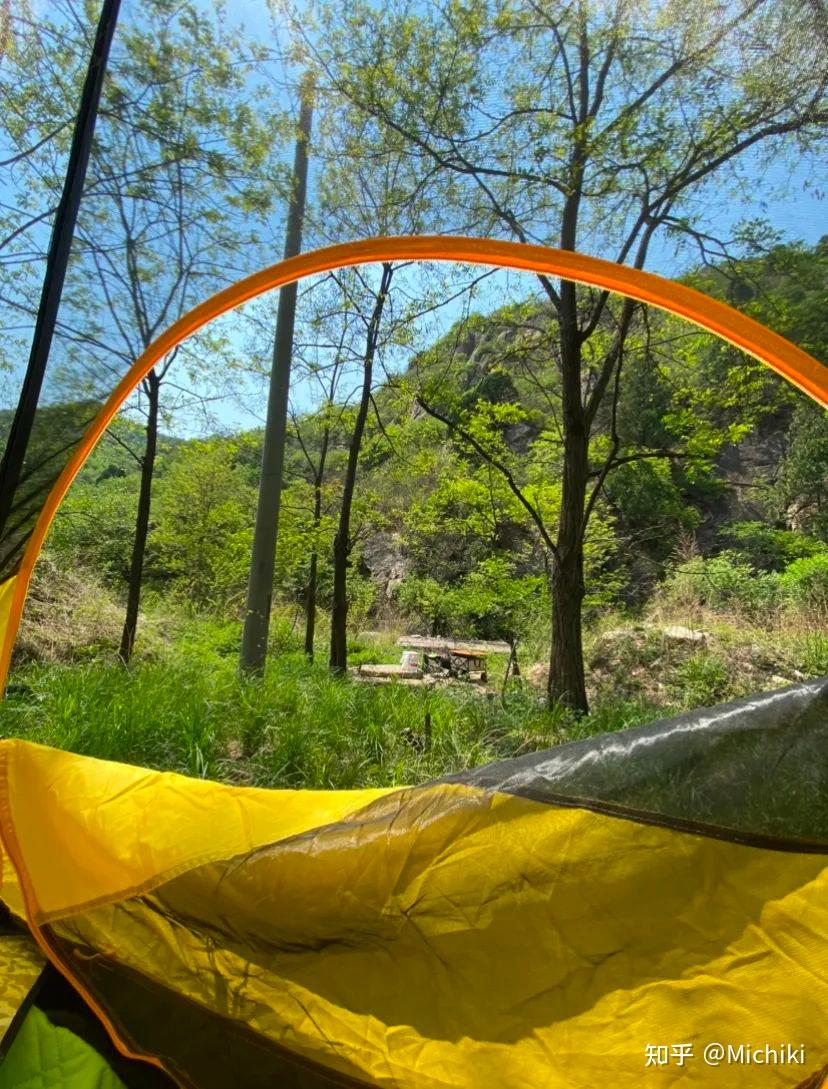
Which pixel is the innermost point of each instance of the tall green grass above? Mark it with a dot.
(298, 727)
(183, 706)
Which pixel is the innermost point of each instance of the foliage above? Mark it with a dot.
(202, 538)
(650, 502)
(182, 177)
(582, 145)
(724, 581)
(801, 491)
(767, 547)
(805, 585)
(92, 528)
(729, 583)
(490, 602)
(474, 560)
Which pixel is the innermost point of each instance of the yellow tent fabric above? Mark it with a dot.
(91, 831)
(444, 935)
(21, 963)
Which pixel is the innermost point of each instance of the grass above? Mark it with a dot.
(182, 706)
(299, 727)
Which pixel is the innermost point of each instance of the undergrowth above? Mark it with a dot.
(182, 706)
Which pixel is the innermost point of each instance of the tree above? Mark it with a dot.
(325, 421)
(363, 196)
(201, 541)
(587, 126)
(783, 287)
(185, 175)
(342, 541)
(57, 261)
(802, 488)
(266, 531)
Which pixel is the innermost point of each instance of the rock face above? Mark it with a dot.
(386, 562)
(745, 468)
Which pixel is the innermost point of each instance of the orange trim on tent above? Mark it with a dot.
(797, 366)
(9, 845)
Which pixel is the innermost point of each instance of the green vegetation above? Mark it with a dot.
(185, 708)
(684, 604)
(181, 704)
(636, 508)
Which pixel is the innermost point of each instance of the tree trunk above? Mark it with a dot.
(310, 605)
(566, 661)
(342, 542)
(266, 529)
(512, 667)
(566, 658)
(339, 613)
(313, 568)
(139, 544)
(513, 659)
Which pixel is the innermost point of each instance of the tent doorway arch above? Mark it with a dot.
(797, 366)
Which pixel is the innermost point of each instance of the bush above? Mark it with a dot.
(427, 601)
(804, 584)
(724, 582)
(768, 548)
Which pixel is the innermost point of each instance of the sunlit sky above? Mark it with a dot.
(793, 203)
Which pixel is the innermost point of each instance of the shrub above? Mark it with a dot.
(804, 584)
(724, 582)
(768, 548)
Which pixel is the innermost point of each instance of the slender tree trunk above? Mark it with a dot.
(566, 682)
(139, 544)
(310, 604)
(313, 567)
(513, 659)
(338, 661)
(266, 530)
(512, 667)
(342, 542)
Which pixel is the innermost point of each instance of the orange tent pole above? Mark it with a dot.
(801, 369)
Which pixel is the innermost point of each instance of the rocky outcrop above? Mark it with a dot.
(386, 562)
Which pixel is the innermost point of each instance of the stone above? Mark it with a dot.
(676, 633)
(779, 682)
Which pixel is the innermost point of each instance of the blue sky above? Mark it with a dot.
(792, 201)
(794, 204)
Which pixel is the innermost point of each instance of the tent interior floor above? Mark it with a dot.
(66, 1009)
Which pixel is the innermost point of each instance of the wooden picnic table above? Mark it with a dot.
(445, 645)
